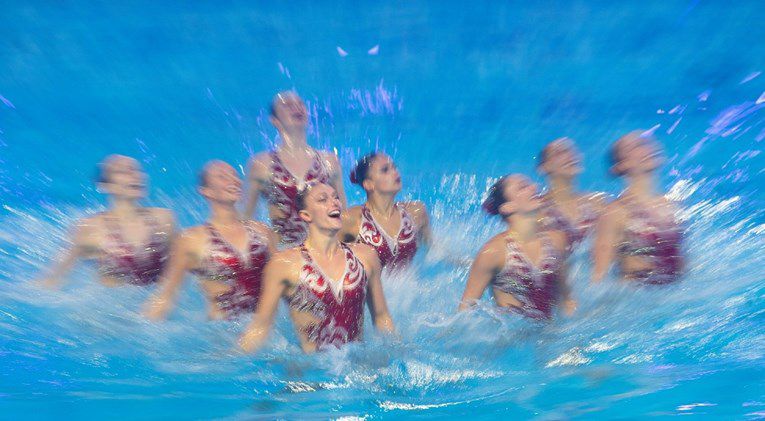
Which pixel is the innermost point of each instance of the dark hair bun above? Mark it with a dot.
(359, 172)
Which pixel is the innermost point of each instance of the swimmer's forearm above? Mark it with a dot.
(385, 324)
(253, 338)
(56, 276)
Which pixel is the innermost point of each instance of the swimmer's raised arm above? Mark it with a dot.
(70, 256)
(484, 268)
(561, 242)
(336, 176)
(378, 308)
(607, 235)
(274, 285)
(182, 258)
(269, 235)
(419, 212)
(257, 178)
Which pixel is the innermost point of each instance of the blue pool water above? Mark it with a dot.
(459, 95)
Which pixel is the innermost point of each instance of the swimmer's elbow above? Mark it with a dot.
(252, 340)
(384, 324)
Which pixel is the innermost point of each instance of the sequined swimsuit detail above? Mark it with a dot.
(655, 239)
(576, 231)
(393, 252)
(140, 265)
(337, 305)
(281, 191)
(242, 272)
(536, 287)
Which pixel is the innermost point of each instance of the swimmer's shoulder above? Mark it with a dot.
(330, 160)
(494, 251)
(558, 239)
(418, 211)
(285, 265)
(353, 214)
(86, 231)
(596, 199)
(351, 221)
(367, 254)
(415, 207)
(163, 215)
(259, 165)
(615, 211)
(193, 237)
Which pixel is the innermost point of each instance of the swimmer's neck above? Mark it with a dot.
(381, 204)
(224, 215)
(293, 139)
(322, 242)
(522, 226)
(561, 189)
(640, 186)
(123, 207)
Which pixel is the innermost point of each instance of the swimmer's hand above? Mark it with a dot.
(252, 339)
(569, 307)
(155, 309)
(48, 283)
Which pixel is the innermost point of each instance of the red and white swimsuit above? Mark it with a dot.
(281, 191)
(242, 272)
(577, 230)
(395, 252)
(536, 287)
(656, 239)
(337, 304)
(134, 265)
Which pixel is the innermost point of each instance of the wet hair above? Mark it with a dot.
(613, 158)
(102, 168)
(496, 197)
(202, 178)
(361, 169)
(278, 97)
(544, 154)
(101, 174)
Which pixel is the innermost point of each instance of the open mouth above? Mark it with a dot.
(334, 214)
(652, 157)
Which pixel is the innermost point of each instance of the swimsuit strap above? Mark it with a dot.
(515, 252)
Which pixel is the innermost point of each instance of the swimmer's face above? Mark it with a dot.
(637, 153)
(124, 178)
(323, 208)
(289, 111)
(383, 176)
(222, 183)
(562, 159)
(521, 195)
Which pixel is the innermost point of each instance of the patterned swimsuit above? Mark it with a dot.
(393, 252)
(655, 239)
(576, 231)
(281, 191)
(338, 305)
(242, 272)
(134, 265)
(536, 287)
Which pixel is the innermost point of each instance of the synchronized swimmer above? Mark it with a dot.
(327, 261)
